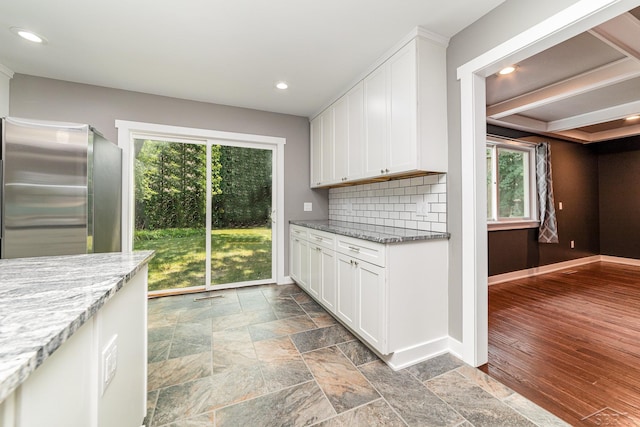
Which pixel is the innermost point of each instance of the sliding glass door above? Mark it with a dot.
(206, 208)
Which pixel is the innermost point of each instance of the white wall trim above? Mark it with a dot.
(6, 71)
(620, 260)
(543, 269)
(126, 132)
(579, 17)
(286, 280)
(401, 359)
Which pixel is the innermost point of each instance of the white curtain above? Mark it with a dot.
(548, 232)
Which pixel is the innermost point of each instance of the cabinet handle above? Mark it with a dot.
(386, 170)
(353, 248)
(318, 248)
(381, 170)
(319, 238)
(296, 240)
(356, 263)
(351, 262)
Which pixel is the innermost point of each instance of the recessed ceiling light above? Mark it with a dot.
(28, 35)
(282, 85)
(507, 70)
(634, 117)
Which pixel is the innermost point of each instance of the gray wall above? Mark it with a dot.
(47, 99)
(504, 22)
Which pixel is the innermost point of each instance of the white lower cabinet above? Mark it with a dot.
(394, 297)
(371, 298)
(328, 293)
(347, 294)
(299, 256)
(315, 269)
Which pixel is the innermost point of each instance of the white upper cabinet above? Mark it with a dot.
(402, 141)
(341, 138)
(316, 152)
(394, 122)
(322, 149)
(375, 121)
(356, 151)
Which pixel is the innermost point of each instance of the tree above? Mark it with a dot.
(511, 183)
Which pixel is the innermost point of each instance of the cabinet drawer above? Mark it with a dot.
(362, 249)
(321, 238)
(299, 232)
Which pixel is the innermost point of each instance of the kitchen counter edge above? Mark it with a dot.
(108, 274)
(373, 233)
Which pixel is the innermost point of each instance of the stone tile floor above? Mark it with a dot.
(271, 356)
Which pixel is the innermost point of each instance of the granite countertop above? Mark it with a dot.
(373, 233)
(44, 300)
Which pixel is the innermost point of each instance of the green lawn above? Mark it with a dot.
(237, 255)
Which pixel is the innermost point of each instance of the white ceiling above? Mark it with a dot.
(580, 90)
(226, 52)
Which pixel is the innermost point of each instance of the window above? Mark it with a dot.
(511, 183)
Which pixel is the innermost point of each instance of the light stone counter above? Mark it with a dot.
(373, 233)
(43, 301)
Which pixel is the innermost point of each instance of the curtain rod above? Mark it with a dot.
(512, 139)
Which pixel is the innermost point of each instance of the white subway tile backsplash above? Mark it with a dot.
(431, 179)
(439, 188)
(398, 203)
(416, 181)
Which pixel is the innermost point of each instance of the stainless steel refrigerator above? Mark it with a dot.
(61, 189)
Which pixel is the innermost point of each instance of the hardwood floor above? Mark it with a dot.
(570, 342)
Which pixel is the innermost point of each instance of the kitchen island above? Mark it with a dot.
(387, 285)
(73, 340)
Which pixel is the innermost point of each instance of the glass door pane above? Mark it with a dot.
(241, 215)
(170, 211)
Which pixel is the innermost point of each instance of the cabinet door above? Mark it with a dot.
(328, 174)
(341, 138)
(371, 299)
(316, 151)
(356, 150)
(375, 121)
(346, 286)
(328, 284)
(315, 269)
(402, 81)
(294, 258)
(304, 264)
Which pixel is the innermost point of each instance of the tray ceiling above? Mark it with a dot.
(581, 90)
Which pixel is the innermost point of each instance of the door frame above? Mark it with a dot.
(128, 131)
(575, 19)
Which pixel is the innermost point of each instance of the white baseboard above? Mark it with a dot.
(535, 271)
(456, 348)
(530, 272)
(620, 260)
(410, 356)
(287, 280)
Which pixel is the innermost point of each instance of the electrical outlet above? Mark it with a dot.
(308, 206)
(109, 362)
(573, 244)
(559, 206)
